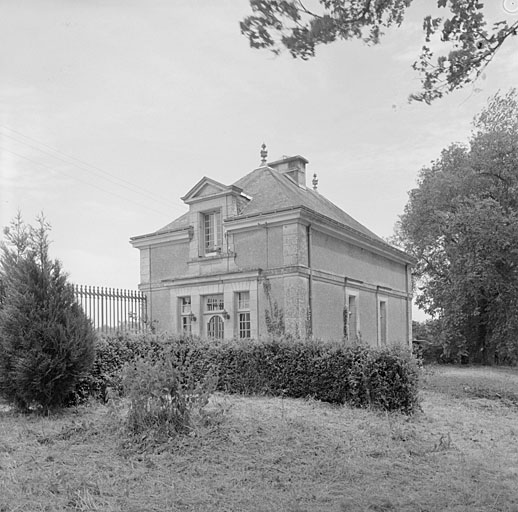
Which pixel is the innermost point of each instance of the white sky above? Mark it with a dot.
(111, 110)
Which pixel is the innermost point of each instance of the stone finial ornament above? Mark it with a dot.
(264, 154)
(315, 182)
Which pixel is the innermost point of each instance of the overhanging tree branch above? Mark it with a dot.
(291, 25)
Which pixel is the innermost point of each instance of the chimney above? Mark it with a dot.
(293, 166)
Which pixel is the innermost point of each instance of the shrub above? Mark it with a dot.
(46, 341)
(165, 396)
(392, 380)
(112, 353)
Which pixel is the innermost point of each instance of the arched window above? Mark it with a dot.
(215, 327)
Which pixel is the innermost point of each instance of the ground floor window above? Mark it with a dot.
(186, 325)
(215, 327)
(186, 315)
(352, 330)
(244, 325)
(243, 315)
(383, 322)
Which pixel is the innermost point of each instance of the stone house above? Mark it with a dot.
(267, 253)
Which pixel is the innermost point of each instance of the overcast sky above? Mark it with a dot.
(112, 110)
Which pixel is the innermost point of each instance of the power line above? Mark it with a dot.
(59, 155)
(87, 167)
(140, 205)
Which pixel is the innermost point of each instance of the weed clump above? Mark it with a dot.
(165, 396)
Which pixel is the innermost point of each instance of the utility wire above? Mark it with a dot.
(56, 153)
(140, 205)
(89, 168)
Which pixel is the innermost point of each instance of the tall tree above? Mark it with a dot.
(469, 45)
(46, 341)
(461, 223)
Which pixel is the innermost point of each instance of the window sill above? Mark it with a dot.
(212, 257)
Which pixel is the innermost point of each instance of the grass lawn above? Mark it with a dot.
(268, 454)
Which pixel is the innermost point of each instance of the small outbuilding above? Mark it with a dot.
(268, 253)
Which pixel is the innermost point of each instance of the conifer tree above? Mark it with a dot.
(46, 340)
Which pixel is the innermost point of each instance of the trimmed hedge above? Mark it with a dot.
(361, 376)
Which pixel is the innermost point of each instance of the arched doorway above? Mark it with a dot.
(216, 327)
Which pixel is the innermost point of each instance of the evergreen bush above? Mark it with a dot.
(46, 341)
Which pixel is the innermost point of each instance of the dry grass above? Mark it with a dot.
(474, 382)
(269, 454)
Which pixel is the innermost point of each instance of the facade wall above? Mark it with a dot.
(296, 305)
(342, 258)
(367, 307)
(295, 244)
(168, 260)
(328, 309)
(261, 247)
(331, 301)
(159, 309)
(397, 320)
(156, 264)
(144, 265)
(251, 249)
(210, 265)
(275, 247)
(270, 293)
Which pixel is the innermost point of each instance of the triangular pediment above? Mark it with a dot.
(206, 188)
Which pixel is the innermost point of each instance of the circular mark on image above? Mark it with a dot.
(510, 6)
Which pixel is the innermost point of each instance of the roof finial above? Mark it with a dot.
(264, 154)
(315, 182)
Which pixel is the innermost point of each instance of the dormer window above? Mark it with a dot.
(212, 232)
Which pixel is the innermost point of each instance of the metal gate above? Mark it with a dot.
(112, 309)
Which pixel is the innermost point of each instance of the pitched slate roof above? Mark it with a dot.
(181, 222)
(272, 190)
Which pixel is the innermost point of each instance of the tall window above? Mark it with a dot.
(212, 232)
(383, 322)
(186, 315)
(243, 315)
(353, 318)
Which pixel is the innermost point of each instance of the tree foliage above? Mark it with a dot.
(461, 223)
(46, 341)
(469, 45)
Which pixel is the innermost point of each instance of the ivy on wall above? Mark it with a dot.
(273, 314)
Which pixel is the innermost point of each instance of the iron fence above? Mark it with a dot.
(113, 309)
